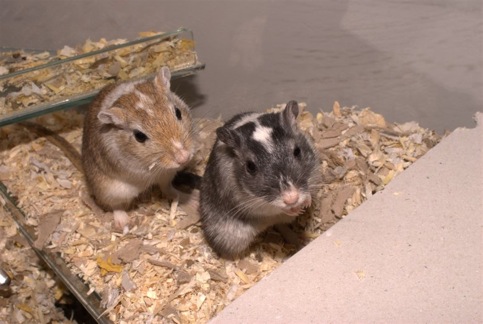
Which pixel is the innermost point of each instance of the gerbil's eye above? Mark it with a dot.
(296, 151)
(140, 136)
(178, 113)
(251, 167)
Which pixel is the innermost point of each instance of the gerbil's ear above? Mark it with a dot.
(229, 137)
(162, 79)
(290, 114)
(113, 115)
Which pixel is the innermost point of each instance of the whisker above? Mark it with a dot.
(241, 207)
(199, 127)
(249, 205)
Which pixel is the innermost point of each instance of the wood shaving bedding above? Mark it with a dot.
(34, 291)
(84, 75)
(162, 271)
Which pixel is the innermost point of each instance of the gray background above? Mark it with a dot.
(408, 60)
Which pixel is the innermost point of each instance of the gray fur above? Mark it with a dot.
(237, 204)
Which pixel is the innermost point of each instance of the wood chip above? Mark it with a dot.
(107, 265)
(249, 267)
(242, 276)
(218, 275)
(340, 200)
(163, 267)
(127, 283)
(336, 109)
(368, 118)
(326, 213)
(47, 226)
(163, 263)
(188, 220)
(169, 312)
(130, 251)
(327, 143)
(183, 277)
(355, 130)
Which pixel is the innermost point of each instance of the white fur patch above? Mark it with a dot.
(264, 136)
(144, 103)
(117, 92)
(152, 165)
(177, 144)
(124, 190)
(261, 134)
(246, 119)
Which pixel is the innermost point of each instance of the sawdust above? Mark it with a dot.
(162, 270)
(30, 80)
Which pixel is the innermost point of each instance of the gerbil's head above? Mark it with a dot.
(274, 163)
(148, 123)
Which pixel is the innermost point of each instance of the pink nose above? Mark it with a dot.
(182, 157)
(290, 197)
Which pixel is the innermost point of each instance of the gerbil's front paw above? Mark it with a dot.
(171, 193)
(190, 203)
(121, 221)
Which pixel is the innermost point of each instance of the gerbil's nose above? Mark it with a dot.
(181, 154)
(182, 157)
(290, 196)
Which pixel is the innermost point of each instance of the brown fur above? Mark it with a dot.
(118, 167)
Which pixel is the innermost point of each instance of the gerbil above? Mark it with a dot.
(136, 134)
(262, 171)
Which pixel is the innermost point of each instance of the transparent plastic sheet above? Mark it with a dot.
(57, 68)
(91, 302)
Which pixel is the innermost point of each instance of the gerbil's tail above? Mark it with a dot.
(70, 152)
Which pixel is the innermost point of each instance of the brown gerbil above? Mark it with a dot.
(136, 134)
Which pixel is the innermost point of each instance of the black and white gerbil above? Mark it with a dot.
(262, 171)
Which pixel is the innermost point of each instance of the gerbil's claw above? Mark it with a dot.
(173, 208)
(121, 220)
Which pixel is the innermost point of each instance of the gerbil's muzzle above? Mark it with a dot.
(182, 157)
